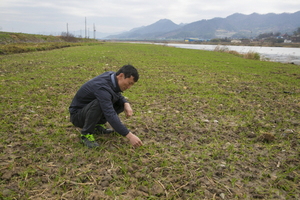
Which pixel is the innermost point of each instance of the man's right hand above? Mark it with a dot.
(134, 140)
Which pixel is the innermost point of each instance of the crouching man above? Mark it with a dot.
(99, 101)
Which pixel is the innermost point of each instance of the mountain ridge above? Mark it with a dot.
(236, 25)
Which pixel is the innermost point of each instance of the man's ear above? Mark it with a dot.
(122, 75)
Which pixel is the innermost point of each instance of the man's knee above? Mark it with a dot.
(74, 118)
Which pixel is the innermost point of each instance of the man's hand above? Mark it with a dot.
(128, 110)
(134, 140)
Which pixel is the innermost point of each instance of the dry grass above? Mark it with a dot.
(250, 55)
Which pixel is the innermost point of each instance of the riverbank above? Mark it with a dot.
(273, 54)
(252, 43)
(11, 43)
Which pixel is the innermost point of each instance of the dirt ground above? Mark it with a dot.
(173, 165)
(209, 132)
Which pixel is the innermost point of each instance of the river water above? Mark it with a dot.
(274, 54)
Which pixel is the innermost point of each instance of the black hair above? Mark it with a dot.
(128, 71)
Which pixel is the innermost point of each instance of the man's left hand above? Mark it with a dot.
(128, 110)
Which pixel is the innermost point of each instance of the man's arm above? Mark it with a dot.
(134, 140)
(114, 120)
(104, 98)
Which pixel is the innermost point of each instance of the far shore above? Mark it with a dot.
(258, 44)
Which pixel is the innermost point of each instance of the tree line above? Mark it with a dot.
(277, 34)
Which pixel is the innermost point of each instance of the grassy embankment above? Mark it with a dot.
(11, 43)
(214, 126)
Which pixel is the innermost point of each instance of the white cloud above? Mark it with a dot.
(120, 15)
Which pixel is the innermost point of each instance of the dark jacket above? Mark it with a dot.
(106, 90)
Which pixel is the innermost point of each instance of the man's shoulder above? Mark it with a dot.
(106, 74)
(102, 81)
(104, 77)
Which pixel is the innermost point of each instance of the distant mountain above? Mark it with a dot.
(234, 26)
(152, 31)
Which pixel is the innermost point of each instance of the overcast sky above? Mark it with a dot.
(110, 16)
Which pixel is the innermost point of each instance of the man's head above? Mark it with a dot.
(127, 76)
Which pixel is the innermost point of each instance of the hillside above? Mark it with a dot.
(235, 26)
(21, 42)
(7, 38)
(149, 32)
(11, 37)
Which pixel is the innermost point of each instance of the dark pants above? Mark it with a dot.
(88, 117)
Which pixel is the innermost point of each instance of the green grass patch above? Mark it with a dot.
(214, 126)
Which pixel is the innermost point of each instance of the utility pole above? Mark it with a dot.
(94, 32)
(67, 29)
(85, 27)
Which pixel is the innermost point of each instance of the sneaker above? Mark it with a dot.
(101, 129)
(89, 140)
